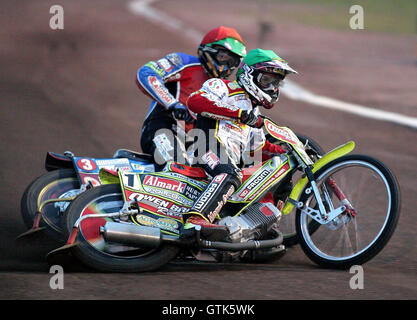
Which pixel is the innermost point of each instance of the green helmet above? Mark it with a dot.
(260, 74)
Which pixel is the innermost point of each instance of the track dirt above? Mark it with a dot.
(74, 89)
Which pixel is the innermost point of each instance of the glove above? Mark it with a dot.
(180, 112)
(251, 119)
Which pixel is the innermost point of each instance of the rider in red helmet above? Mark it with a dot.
(170, 80)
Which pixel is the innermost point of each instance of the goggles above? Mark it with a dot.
(269, 81)
(226, 57)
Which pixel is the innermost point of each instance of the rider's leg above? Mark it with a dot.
(159, 138)
(226, 179)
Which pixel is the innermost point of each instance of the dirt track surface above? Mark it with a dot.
(74, 89)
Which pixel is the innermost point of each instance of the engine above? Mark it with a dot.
(253, 223)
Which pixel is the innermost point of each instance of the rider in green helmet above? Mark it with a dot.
(229, 109)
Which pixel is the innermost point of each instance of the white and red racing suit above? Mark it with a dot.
(224, 140)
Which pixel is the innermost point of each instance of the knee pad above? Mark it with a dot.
(234, 176)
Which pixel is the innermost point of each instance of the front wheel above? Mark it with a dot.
(362, 231)
(94, 251)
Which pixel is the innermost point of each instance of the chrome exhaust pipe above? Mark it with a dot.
(131, 234)
(249, 245)
(149, 237)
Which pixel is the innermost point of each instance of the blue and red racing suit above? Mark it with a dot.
(167, 81)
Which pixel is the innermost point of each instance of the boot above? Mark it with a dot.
(209, 231)
(208, 205)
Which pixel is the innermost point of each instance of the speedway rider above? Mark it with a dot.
(230, 110)
(170, 80)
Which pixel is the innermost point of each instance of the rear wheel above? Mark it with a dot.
(358, 234)
(94, 251)
(61, 183)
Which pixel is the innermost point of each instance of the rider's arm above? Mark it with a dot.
(270, 148)
(151, 78)
(209, 101)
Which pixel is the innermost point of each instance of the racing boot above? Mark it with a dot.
(208, 205)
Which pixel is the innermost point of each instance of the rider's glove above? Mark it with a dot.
(272, 148)
(180, 112)
(251, 119)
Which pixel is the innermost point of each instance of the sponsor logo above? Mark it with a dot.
(236, 127)
(228, 106)
(157, 205)
(215, 116)
(174, 196)
(206, 197)
(174, 211)
(174, 59)
(164, 63)
(161, 91)
(210, 96)
(213, 214)
(191, 193)
(198, 184)
(258, 179)
(208, 194)
(214, 84)
(210, 159)
(244, 193)
(233, 85)
(145, 197)
(155, 67)
(267, 184)
(163, 223)
(112, 162)
(239, 97)
(282, 133)
(136, 166)
(219, 178)
(169, 184)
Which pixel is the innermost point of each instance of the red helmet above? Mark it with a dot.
(220, 51)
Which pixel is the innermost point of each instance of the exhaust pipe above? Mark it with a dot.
(150, 237)
(131, 234)
(249, 245)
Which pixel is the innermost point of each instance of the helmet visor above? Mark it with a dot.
(269, 82)
(226, 57)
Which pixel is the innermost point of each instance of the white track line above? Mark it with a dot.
(290, 89)
(296, 92)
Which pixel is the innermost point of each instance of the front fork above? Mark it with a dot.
(321, 215)
(341, 196)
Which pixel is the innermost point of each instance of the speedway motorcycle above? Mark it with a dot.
(346, 209)
(46, 198)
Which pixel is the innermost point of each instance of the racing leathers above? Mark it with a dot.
(168, 82)
(221, 142)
